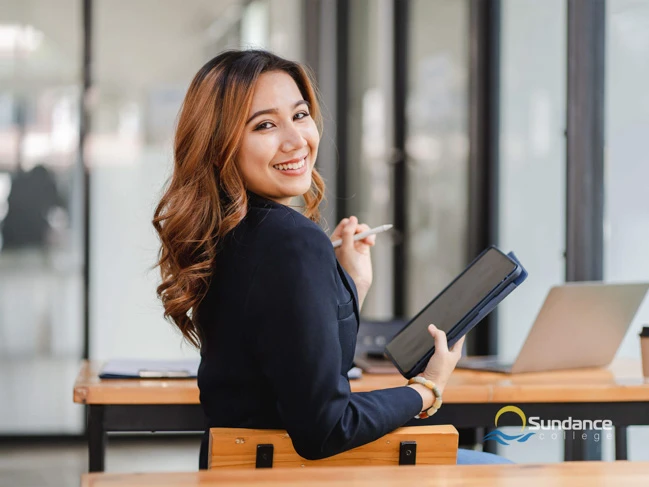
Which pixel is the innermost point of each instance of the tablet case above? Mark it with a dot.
(484, 311)
(496, 300)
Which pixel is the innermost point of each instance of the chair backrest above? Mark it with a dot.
(250, 448)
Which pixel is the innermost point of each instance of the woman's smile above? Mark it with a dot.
(293, 167)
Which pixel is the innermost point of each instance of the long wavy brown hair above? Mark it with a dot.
(206, 195)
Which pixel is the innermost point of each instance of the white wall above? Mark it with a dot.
(126, 319)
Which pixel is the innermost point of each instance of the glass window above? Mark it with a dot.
(139, 87)
(532, 169)
(437, 147)
(369, 172)
(41, 237)
(532, 157)
(138, 90)
(627, 166)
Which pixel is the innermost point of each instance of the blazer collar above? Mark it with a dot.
(257, 201)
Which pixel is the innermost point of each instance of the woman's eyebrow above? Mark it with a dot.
(275, 110)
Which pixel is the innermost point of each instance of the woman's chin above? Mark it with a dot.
(296, 188)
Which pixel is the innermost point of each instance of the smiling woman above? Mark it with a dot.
(222, 148)
(257, 285)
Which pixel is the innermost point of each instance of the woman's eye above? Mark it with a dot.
(262, 126)
(267, 125)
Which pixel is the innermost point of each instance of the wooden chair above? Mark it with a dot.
(250, 448)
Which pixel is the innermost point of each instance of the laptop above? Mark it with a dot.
(370, 345)
(581, 324)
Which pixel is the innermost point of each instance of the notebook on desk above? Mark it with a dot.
(164, 369)
(150, 369)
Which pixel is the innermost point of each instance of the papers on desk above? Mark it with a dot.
(150, 369)
(165, 369)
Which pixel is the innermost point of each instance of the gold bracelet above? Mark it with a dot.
(438, 396)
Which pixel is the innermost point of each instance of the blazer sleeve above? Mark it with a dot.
(292, 308)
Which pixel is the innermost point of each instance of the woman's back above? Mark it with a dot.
(234, 390)
(279, 324)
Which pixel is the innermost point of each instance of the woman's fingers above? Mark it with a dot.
(441, 344)
(350, 226)
(338, 231)
(367, 240)
(348, 232)
(458, 345)
(362, 227)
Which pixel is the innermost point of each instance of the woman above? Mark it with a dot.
(257, 285)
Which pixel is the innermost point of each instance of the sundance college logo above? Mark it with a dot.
(552, 429)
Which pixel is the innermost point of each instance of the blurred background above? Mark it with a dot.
(463, 122)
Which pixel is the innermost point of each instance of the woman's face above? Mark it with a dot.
(280, 141)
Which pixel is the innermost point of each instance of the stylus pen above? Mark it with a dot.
(362, 235)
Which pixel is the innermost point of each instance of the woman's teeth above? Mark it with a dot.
(293, 165)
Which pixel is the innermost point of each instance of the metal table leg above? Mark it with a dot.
(96, 438)
(620, 443)
(489, 446)
(578, 449)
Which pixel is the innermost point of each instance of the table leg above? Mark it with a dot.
(578, 449)
(489, 446)
(620, 443)
(96, 438)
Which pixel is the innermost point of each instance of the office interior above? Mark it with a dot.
(463, 122)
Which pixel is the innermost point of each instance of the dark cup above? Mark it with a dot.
(644, 350)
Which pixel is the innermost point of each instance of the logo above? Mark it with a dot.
(501, 437)
(555, 428)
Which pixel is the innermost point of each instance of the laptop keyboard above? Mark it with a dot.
(484, 363)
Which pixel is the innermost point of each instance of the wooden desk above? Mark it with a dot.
(621, 382)
(568, 474)
(471, 400)
(465, 387)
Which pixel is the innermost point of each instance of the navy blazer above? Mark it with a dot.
(279, 326)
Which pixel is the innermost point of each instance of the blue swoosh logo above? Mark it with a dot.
(503, 439)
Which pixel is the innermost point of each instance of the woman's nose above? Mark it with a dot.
(292, 139)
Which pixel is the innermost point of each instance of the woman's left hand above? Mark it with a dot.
(354, 256)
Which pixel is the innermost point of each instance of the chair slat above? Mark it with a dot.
(237, 448)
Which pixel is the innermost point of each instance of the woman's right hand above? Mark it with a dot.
(443, 362)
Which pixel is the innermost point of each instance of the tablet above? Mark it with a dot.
(457, 309)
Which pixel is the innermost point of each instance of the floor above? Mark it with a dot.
(60, 464)
(49, 464)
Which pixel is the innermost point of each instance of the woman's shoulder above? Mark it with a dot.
(284, 224)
